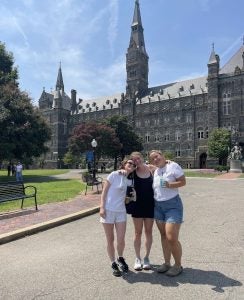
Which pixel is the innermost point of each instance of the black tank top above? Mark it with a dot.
(144, 197)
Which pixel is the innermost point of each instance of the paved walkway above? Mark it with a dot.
(28, 221)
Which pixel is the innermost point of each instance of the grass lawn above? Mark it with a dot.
(49, 189)
(201, 174)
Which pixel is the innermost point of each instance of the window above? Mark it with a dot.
(177, 152)
(177, 135)
(147, 122)
(177, 118)
(156, 122)
(157, 137)
(226, 104)
(166, 119)
(206, 133)
(189, 134)
(188, 150)
(147, 138)
(200, 133)
(188, 118)
(167, 136)
(138, 123)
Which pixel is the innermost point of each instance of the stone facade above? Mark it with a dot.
(175, 117)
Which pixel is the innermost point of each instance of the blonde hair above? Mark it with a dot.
(136, 153)
(155, 151)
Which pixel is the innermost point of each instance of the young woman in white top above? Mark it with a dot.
(168, 210)
(113, 213)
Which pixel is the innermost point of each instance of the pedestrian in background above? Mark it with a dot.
(168, 211)
(13, 169)
(19, 168)
(9, 169)
(113, 213)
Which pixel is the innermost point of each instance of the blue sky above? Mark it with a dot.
(90, 38)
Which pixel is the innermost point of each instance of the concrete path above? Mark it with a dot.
(20, 223)
(70, 261)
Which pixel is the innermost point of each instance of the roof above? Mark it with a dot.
(175, 90)
(235, 60)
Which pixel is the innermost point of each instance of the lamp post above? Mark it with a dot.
(94, 145)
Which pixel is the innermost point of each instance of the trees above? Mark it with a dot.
(129, 140)
(115, 138)
(83, 134)
(23, 130)
(218, 144)
(8, 73)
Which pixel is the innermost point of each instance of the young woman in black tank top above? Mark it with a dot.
(144, 212)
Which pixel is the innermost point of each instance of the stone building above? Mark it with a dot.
(175, 117)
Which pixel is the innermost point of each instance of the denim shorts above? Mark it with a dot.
(169, 211)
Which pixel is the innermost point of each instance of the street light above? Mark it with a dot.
(94, 145)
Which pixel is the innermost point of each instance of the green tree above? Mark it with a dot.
(8, 72)
(218, 144)
(23, 130)
(129, 140)
(169, 155)
(70, 159)
(83, 134)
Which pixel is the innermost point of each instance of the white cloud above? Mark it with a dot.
(235, 44)
(113, 23)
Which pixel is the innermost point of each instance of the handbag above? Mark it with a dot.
(130, 199)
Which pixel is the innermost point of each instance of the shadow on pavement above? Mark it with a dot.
(217, 280)
(14, 214)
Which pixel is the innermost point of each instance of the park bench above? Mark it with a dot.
(15, 190)
(90, 181)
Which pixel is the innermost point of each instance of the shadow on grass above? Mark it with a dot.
(33, 178)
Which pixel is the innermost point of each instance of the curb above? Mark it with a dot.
(20, 233)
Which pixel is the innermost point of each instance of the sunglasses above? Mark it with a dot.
(131, 163)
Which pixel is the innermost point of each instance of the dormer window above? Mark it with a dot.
(192, 87)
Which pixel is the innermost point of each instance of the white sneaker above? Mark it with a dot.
(138, 264)
(146, 264)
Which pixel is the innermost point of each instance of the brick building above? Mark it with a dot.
(175, 117)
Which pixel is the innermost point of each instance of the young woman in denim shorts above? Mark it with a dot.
(168, 210)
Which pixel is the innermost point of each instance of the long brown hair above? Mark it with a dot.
(122, 166)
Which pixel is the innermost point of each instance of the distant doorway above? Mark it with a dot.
(203, 160)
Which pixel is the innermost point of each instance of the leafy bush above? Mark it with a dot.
(221, 168)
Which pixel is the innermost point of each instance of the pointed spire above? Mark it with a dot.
(60, 83)
(137, 36)
(136, 58)
(212, 58)
(137, 14)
